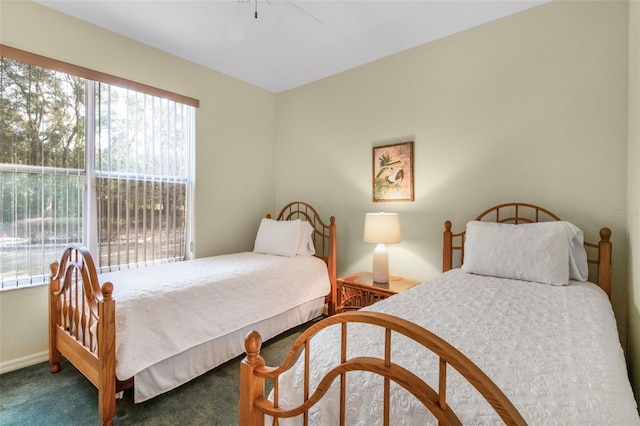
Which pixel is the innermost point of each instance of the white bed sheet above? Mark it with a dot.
(165, 310)
(554, 351)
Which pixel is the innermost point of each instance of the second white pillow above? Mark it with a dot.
(279, 237)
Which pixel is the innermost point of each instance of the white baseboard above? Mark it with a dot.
(25, 361)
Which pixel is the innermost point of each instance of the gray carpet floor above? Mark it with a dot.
(34, 396)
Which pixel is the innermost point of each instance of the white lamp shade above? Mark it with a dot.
(382, 228)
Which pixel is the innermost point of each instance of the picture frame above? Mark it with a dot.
(393, 172)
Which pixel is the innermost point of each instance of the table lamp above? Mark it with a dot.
(381, 228)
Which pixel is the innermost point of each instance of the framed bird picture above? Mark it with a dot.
(393, 172)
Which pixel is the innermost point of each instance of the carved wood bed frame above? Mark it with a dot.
(82, 312)
(254, 403)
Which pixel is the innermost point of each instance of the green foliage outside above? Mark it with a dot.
(41, 126)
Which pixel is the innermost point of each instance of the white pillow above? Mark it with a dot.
(306, 246)
(578, 266)
(531, 252)
(279, 237)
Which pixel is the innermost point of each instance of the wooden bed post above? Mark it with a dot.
(331, 265)
(54, 286)
(604, 261)
(447, 249)
(251, 386)
(106, 356)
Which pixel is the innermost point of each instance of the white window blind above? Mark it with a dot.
(142, 158)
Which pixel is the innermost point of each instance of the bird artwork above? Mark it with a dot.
(390, 175)
(392, 168)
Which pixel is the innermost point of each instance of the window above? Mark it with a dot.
(89, 161)
(142, 158)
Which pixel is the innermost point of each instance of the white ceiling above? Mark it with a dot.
(291, 43)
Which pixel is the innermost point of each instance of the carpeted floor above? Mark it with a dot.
(34, 396)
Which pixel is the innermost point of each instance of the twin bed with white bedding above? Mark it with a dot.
(176, 321)
(163, 311)
(526, 339)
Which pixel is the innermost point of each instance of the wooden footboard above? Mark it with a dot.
(82, 324)
(254, 404)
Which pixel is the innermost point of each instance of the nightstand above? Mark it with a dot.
(358, 290)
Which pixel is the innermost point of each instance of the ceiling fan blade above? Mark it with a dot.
(303, 11)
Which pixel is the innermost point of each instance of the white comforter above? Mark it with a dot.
(554, 351)
(166, 309)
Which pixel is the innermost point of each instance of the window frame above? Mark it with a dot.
(89, 74)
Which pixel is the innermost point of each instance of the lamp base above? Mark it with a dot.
(380, 264)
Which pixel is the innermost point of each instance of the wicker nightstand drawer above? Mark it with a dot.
(358, 290)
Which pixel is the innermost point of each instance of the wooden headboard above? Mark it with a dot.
(599, 254)
(324, 240)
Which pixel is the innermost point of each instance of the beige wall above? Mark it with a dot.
(633, 196)
(234, 184)
(530, 108)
